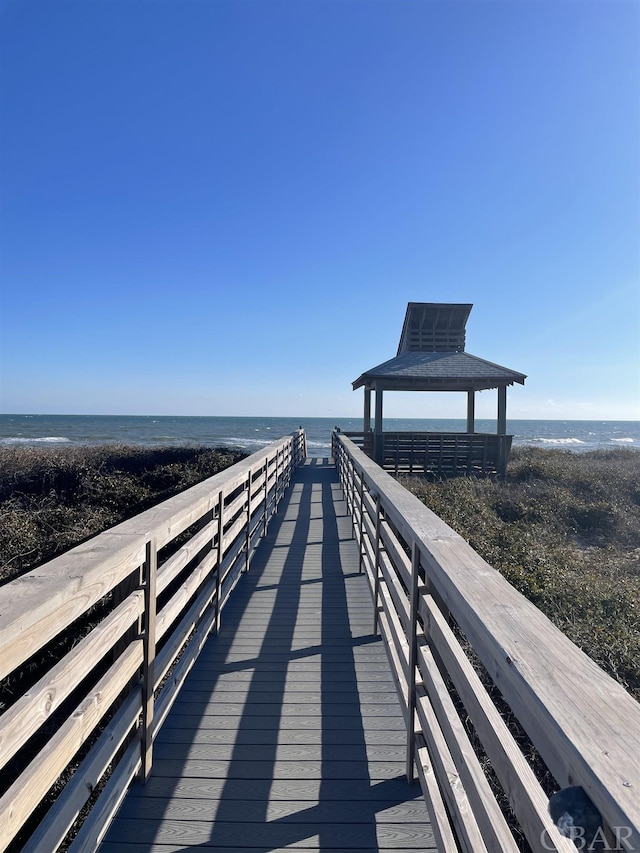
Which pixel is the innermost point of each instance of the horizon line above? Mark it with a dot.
(301, 417)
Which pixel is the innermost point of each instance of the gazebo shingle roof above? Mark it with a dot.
(443, 371)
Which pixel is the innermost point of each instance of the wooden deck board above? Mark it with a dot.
(287, 733)
(267, 834)
(253, 811)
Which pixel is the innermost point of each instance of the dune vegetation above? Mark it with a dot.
(54, 498)
(564, 529)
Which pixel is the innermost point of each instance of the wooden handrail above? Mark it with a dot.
(113, 689)
(583, 724)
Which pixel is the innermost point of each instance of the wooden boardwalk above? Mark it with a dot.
(287, 733)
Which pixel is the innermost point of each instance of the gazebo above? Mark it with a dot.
(431, 357)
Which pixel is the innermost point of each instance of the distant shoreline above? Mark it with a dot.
(253, 433)
(300, 417)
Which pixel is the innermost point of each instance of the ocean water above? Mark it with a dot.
(251, 434)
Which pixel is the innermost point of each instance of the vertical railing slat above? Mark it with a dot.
(220, 556)
(376, 567)
(413, 649)
(247, 555)
(361, 537)
(148, 668)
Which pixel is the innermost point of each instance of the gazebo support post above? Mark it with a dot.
(502, 410)
(377, 436)
(367, 410)
(502, 430)
(471, 410)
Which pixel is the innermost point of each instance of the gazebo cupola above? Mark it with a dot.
(434, 327)
(431, 357)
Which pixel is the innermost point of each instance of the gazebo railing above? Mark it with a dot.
(438, 454)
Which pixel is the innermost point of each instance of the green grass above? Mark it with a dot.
(53, 499)
(564, 529)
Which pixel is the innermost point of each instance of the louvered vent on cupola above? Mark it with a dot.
(434, 327)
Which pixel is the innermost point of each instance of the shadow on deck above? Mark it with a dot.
(287, 733)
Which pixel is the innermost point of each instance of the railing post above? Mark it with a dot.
(149, 656)
(277, 482)
(361, 542)
(285, 472)
(347, 485)
(286, 467)
(220, 556)
(351, 500)
(290, 464)
(352, 484)
(413, 653)
(266, 496)
(376, 567)
(248, 534)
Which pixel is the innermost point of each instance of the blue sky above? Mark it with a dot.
(223, 208)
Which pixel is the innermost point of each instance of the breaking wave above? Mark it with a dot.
(48, 439)
(560, 441)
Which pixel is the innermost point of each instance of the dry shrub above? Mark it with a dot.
(54, 498)
(564, 529)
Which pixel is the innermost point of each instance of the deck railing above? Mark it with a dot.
(480, 671)
(118, 622)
